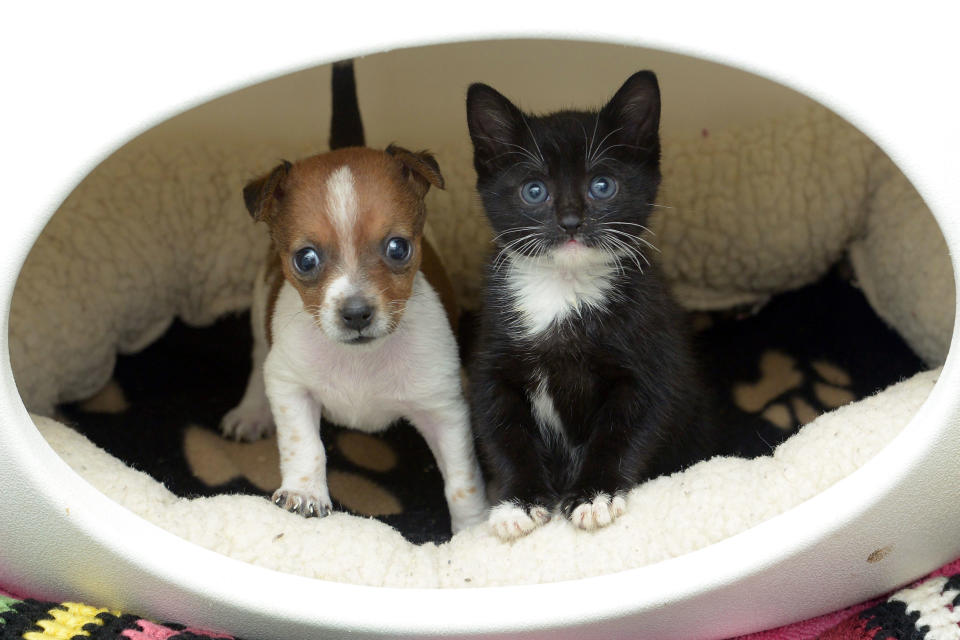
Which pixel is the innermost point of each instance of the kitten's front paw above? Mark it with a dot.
(248, 422)
(597, 513)
(510, 520)
(306, 504)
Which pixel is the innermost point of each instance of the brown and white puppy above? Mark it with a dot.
(347, 326)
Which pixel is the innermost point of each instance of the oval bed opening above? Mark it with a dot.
(818, 282)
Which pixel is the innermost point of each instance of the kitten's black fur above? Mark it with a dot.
(621, 374)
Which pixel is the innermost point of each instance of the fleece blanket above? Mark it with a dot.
(804, 353)
(706, 503)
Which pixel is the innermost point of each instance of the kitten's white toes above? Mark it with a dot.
(541, 515)
(618, 506)
(509, 521)
(599, 513)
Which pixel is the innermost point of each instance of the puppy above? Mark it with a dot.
(346, 326)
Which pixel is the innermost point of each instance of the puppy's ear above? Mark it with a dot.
(633, 114)
(419, 168)
(262, 194)
(495, 125)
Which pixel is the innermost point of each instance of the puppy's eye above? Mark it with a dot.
(397, 250)
(533, 192)
(602, 188)
(306, 261)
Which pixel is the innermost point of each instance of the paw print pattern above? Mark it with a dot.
(790, 393)
(109, 400)
(216, 460)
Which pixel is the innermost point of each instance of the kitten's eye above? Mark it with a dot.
(398, 250)
(602, 188)
(533, 192)
(306, 261)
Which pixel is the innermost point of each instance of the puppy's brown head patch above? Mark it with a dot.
(348, 228)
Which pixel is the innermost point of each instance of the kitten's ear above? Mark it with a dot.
(494, 123)
(262, 194)
(419, 168)
(635, 110)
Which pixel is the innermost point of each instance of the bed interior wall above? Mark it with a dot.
(416, 96)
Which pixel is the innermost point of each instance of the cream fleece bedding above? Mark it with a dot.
(665, 518)
(159, 232)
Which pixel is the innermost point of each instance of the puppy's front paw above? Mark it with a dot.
(597, 513)
(248, 422)
(510, 520)
(306, 504)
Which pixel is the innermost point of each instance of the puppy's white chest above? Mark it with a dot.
(545, 293)
(359, 390)
(357, 399)
(366, 387)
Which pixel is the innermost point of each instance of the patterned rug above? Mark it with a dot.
(773, 370)
(929, 609)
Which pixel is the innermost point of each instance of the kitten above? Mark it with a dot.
(584, 383)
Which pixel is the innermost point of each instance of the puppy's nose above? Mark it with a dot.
(570, 222)
(356, 313)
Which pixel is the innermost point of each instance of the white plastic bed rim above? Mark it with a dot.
(81, 81)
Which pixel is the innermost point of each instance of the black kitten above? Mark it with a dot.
(584, 383)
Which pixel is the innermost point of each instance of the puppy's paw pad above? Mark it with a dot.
(300, 502)
(248, 422)
(509, 520)
(598, 513)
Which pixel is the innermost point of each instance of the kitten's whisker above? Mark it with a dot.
(586, 149)
(516, 241)
(632, 252)
(513, 230)
(531, 219)
(606, 247)
(602, 155)
(604, 160)
(502, 255)
(534, 138)
(601, 150)
(593, 138)
(633, 237)
(639, 237)
(537, 161)
(632, 224)
(541, 248)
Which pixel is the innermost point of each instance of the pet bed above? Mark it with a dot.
(754, 211)
(111, 300)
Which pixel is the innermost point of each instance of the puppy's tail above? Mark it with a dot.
(346, 127)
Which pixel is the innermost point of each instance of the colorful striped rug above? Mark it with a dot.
(929, 609)
(39, 620)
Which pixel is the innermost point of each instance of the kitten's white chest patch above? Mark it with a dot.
(543, 409)
(546, 290)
